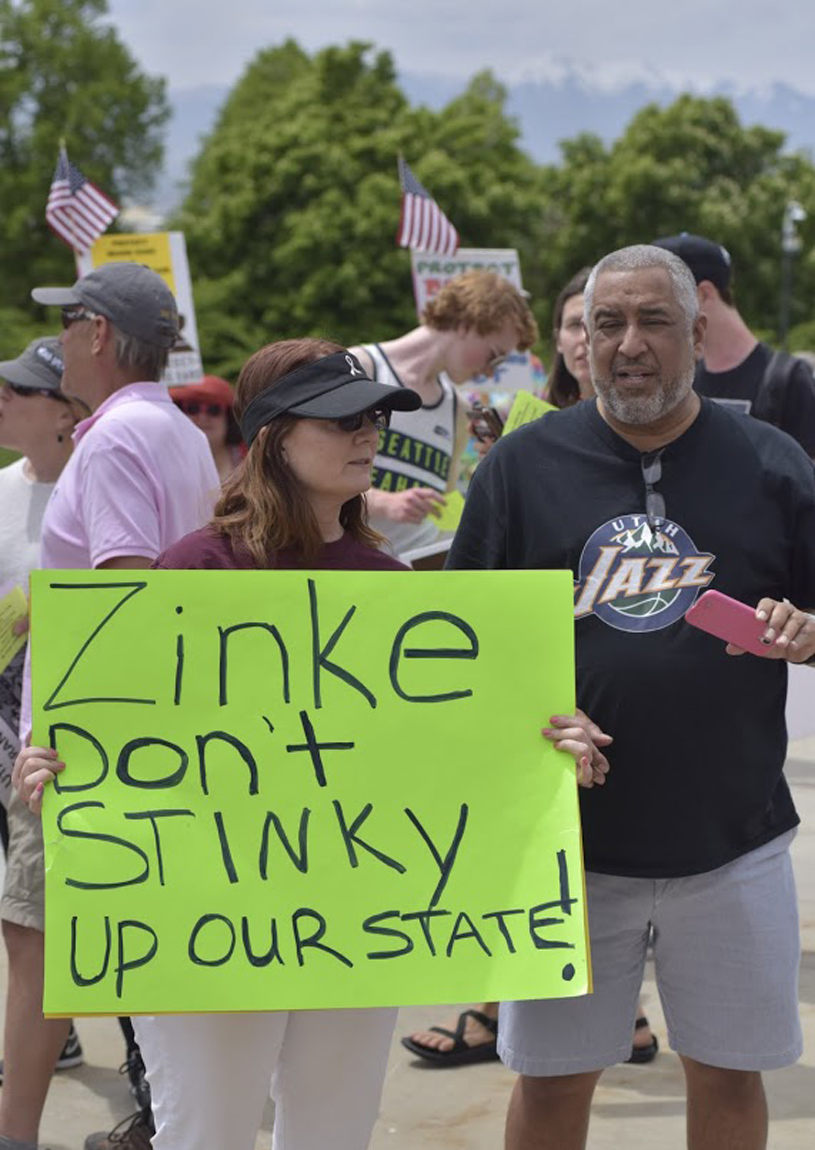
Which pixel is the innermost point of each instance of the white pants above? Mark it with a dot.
(209, 1075)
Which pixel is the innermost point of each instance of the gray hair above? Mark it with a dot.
(637, 258)
(133, 354)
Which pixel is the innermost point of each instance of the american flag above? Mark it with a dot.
(76, 210)
(423, 225)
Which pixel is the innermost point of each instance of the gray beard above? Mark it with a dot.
(640, 410)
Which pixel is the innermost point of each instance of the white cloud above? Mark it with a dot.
(697, 44)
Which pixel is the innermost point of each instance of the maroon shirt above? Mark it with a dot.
(210, 550)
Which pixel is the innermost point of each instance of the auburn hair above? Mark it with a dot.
(481, 300)
(262, 508)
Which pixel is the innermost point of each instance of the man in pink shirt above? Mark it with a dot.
(141, 476)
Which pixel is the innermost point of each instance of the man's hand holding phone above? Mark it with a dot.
(772, 630)
(789, 634)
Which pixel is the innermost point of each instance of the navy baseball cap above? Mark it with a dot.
(706, 259)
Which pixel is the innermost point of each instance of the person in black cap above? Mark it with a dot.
(311, 418)
(738, 370)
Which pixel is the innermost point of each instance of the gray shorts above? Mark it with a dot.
(726, 955)
(23, 899)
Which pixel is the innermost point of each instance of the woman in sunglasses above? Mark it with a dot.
(36, 420)
(311, 419)
(209, 404)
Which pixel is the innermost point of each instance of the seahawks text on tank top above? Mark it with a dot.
(417, 449)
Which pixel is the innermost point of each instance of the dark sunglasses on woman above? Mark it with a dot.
(193, 407)
(49, 391)
(380, 420)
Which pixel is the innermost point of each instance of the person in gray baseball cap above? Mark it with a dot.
(130, 295)
(119, 321)
(37, 369)
(141, 476)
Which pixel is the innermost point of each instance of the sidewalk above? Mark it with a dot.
(463, 1109)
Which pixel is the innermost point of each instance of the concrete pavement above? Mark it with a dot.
(637, 1107)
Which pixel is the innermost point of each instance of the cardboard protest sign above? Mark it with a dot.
(296, 790)
(166, 254)
(431, 272)
(449, 516)
(526, 408)
(13, 606)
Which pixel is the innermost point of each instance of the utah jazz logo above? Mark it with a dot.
(636, 579)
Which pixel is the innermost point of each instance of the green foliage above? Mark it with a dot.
(294, 200)
(802, 337)
(64, 73)
(692, 167)
(18, 328)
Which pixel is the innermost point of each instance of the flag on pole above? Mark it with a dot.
(76, 210)
(423, 225)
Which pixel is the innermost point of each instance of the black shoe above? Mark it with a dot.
(70, 1055)
(133, 1067)
(642, 1055)
(133, 1133)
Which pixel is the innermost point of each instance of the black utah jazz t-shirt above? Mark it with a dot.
(699, 736)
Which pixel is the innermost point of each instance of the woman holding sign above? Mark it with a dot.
(310, 418)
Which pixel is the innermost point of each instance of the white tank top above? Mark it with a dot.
(415, 451)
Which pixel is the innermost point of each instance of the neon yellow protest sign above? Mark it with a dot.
(301, 790)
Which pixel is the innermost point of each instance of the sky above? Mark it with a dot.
(698, 44)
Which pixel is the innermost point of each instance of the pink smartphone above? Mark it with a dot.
(730, 620)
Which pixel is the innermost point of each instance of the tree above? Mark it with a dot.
(693, 167)
(293, 202)
(64, 74)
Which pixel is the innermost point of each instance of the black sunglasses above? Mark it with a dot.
(654, 500)
(18, 389)
(71, 315)
(193, 407)
(379, 418)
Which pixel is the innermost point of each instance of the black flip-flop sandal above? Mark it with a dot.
(640, 1055)
(461, 1053)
